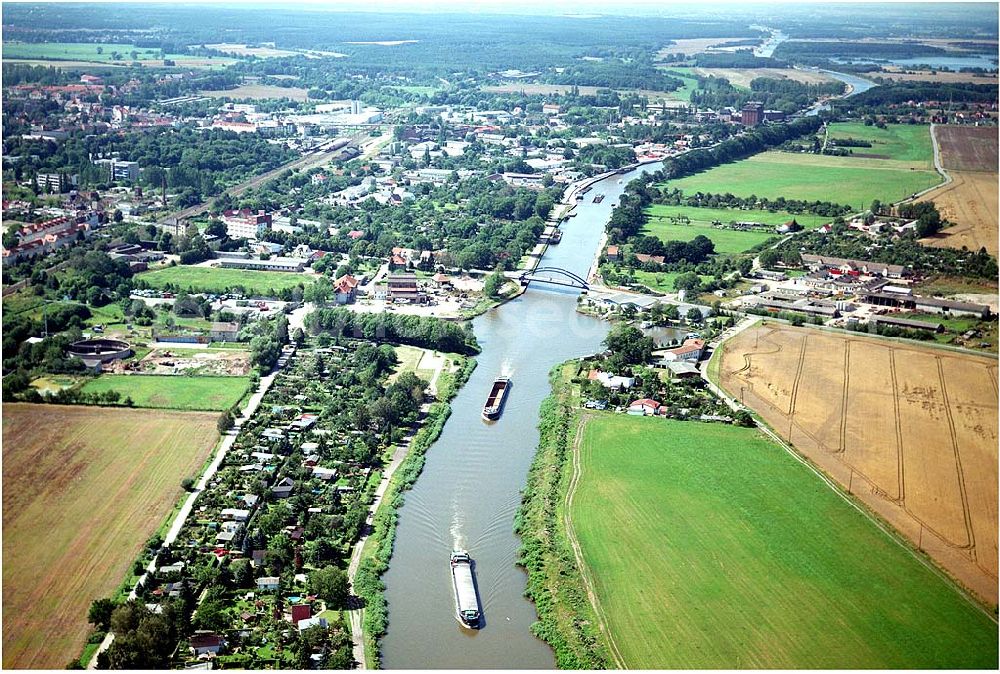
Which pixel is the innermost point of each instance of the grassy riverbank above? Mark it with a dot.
(566, 619)
(378, 549)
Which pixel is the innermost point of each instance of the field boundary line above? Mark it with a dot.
(938, 166)
(900, 463)
(576, 461)
(886, 529)
(858, 504)
(844, 400)
(902, 341)
(966, 515)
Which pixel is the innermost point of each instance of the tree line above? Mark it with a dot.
(422, 331)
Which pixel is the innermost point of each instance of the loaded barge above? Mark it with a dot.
(466, 600)
(496, 399)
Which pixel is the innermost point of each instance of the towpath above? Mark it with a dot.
(356, 615)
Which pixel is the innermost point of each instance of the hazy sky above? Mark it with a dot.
(673, 7)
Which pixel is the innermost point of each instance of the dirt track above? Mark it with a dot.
(911, 431)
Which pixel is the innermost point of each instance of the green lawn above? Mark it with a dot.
(726, 241)
(851, 181)
(174, 391)
(710, 547)
(212, 279)
(690, 83)
(904, 142)
(409, 361)
(662, 281)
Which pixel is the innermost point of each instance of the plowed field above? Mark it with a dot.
(969, 154)
(83, 489)
(911, 431)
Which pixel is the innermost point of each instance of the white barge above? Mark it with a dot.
(466, 600)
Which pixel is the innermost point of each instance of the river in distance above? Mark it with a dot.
(470, 488)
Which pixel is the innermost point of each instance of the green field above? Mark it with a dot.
(726, 241)
(88, 51)
(904, 142)
(690, 83)
(662, 281)
(215, 280)
(173, 391)
(850, 181)
(711, 547)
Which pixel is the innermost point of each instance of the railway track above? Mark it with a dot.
(305, 162)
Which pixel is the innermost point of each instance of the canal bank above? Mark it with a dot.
(470, 487)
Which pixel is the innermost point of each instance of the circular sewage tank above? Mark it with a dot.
(96, 351)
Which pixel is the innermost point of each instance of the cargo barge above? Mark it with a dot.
(496, 399)
(466, 599)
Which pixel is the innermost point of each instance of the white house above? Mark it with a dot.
(268, 583)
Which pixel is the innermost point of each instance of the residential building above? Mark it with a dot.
(245, 224)
(268, 582)
(644, 407)
(854, 267)
(55, 183)
(691, 350)
(116, 169)
(346, 288)
(608, 380)
(206, 643)
(224, 332)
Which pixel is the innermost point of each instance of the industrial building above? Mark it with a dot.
(289, 264)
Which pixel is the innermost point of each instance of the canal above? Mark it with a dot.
(470, 487)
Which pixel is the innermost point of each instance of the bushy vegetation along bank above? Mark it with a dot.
(566, 620)
(378, 550)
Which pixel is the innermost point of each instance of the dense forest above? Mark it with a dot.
(797, 49)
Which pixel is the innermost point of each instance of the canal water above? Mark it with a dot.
(471, 485)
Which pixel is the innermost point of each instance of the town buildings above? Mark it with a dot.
(245, 224)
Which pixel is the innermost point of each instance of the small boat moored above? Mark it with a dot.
(495, 401)
(466, 599)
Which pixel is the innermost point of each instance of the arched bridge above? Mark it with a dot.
(554, 275)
